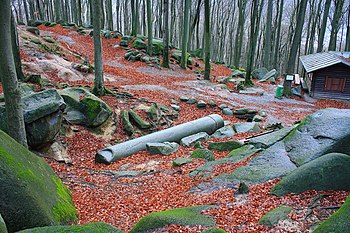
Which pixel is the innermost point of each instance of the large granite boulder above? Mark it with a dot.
(337, 222)
(328, 172)
(3, 228)
(31, 193)
(94, 227)
(325, 131)
(84, 108)
(42, 113)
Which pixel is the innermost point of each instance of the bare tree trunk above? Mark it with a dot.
(110, 15)
(8, 77)
(166, 34)
(58, 8)
(15, 50)
(98, 81)
(149, 27)
(25, 6)
(207, 39)
(277, 37)
(335, 25)
(347, 44)
(239, 34)
(267, 48)
(185, 34)
(323, 26)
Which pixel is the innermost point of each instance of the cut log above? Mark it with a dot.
(207, 124)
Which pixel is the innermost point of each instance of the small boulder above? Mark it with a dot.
(35, 23)
(241, 111)
(201, 104)
(247, 127)
(212, 104)
(127, 126)
(203, 154)
(139, 44)
(3, 228)
(33, 30)
(328, 172)
(259, 73)
(165, 148)
(49, 39)
(192, 139)
(274, 216)
(222, 106)
(224, 132)
(139, 121)
(225, 146)
(191, 100)
(181, 161)
(184, 98)
(227, 112)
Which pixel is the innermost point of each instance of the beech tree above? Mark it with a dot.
(149, 26)
(165, 62)
(335, 24)
(185, 34)
(8, 77)
(207, 40)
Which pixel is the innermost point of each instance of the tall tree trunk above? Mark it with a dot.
(149, 27)
(295, 46)
(117, 12)
(195, 20)
(126, 17)
(207, 39)
(322, 33)
(185, 33)
(74, 11)
(267, 48)
(166, 34)
(8, 77)
(347, 44)
(110, 15)
(25, 6)
(79, 20)
(240, 30)
(58, 8)
(98, 81)
(335, 25)
(278, 34)
(15, 50)
(133, 18)
(40, 10)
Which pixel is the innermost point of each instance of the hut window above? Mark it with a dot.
(335, 84)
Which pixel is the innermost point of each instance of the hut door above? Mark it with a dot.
(335, 84)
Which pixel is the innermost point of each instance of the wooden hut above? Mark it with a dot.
(328, 74)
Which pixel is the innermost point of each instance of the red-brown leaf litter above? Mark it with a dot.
(99, 196)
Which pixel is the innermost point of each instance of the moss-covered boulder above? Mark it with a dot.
(138, 120)
(127, 126)
(33, 30)
(272, 217)
(181, 161)
(157, 46)
(95, 227)
(85, 108)
(328, 172)
(337, 222)
(31, 193)
(214, 230)
(3, 228)
(139, 44)
(203, 154)
(181, 216)
(177, 54)
(49, 39)
(325, 131)
(225, 146)
(35, 23)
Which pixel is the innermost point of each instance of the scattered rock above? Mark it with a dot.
(274, 216)
(181, 161)
(328, 172)
(35, 23)
(33, 30)
(165, 148)
(125, 173)
(140, 122)
(224, 146)
(181, 216)
(127, 126)
(203, 154)
(222, 106)
(246, 127)
(3, 228)
(48, 202)
(91, 227)
(184, 98)
(35, 41)
(242, 189)
(270, 76)
(191, 101)
(139, 44)
(192, 139)
(241, 111)
(258, 118)
(59, 153)
(177, 54)
(198, 145)
(175, 107)
(259, 73)
(337, 222)
(224, 132)
(227, 112)
(212, 104)
(49, 39)
(174, 102)
(201, 104)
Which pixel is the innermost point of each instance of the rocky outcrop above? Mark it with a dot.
(84, 108)
(31, 193)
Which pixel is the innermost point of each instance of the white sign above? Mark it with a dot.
(290, 77)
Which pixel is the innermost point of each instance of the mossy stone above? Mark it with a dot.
(33, 30)
(140, 122)
(181, 161)
(95, 227)
(139, 44)
(203, 154)
(35, 23)
(35, 41)
(3, 228)
(180, 216)
(157, 46)
(337, 222)
(214, 230)
(225, 146)
(272, 217)
(328, 172)
(49, 39)
(127, 126)
(31, 193)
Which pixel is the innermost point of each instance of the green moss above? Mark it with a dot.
(180, 216)
(337, 222)
(224, 146)
(95, 227)
(272, 217)
(140, 122)
(203, 154)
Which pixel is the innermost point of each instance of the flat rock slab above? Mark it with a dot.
(224, 132)
(181, 161)
(192, 139)
(203, 154)
(247, 127)
(328, 172)
(126, 173)
(274, 216)
(269, 164)
(165, 148)
(267, 140)
(225, 146)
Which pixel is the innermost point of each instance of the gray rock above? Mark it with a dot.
(94, 110)
(31, 193)
(325, 131)
(3, 228)
(274, 216)
(222, 106)
(174, 102)
(126, 173)
(241, 111)
(257, 118)
(269, 164)
(201, 104)
(175, 107)
(224, 132)
(192, 139)
(139, 121)
(33, 30)
(203, 154)
(191, 101)
(263, 114)
(259, 73)
(165, 148)
(225, 146)
(267, 140)
(184, 98)
(181, 161)
(328, 172)
(227, 112)
(127, 126)
(212, 104)
(270, 76)
(246, 127)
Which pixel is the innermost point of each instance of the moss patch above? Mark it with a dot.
(180, 216)
(272, 217)
(95, 227)
(203, 154)
(337, 222)
(224, 146)
(32, 194)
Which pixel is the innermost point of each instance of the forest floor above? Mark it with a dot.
(100, 196)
